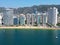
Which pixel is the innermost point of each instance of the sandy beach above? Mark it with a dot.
(28, 27)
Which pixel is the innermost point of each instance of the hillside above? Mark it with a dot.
(40, 8)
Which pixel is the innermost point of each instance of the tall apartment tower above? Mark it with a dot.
(38, 19)
(33, 19)
(1, 17)
(8, 17)
(44, 18)
(15, 20)
(22, 19)
(52, 16)
(28, 19)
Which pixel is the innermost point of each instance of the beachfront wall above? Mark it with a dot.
(22, 19)
(8, 17)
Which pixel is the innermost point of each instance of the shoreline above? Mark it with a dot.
(28, 27)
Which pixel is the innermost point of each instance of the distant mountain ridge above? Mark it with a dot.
(24, 10)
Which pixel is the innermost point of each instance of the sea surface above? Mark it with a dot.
(29, 37)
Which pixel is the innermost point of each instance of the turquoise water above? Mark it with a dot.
(29, 37)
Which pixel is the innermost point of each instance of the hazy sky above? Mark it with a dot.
(24, 3)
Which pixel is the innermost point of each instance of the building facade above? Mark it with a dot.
(15, 20)
(33, 19)
(28, 19)
(1, 18)
(22, 19)
(52, 15)
(8, 17)
(44, 18)
(58, 20)
(38, 19)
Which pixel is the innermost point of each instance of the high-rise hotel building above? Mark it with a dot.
(22, 19)
(33, 19)
(1, 18)
(38, 19)
(52, 16)
(15, 20)
(44, 18)
(8, 17)
(28, 19)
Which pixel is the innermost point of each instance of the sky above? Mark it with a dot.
(26, 3)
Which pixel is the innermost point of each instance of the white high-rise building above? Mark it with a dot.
(22, 19)
(38, 18)
(1, 17)
(52, 16)
(44, 18)
(8, 17)
(33, 19)
(28, 19)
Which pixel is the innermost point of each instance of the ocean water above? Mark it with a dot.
(29, 37)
